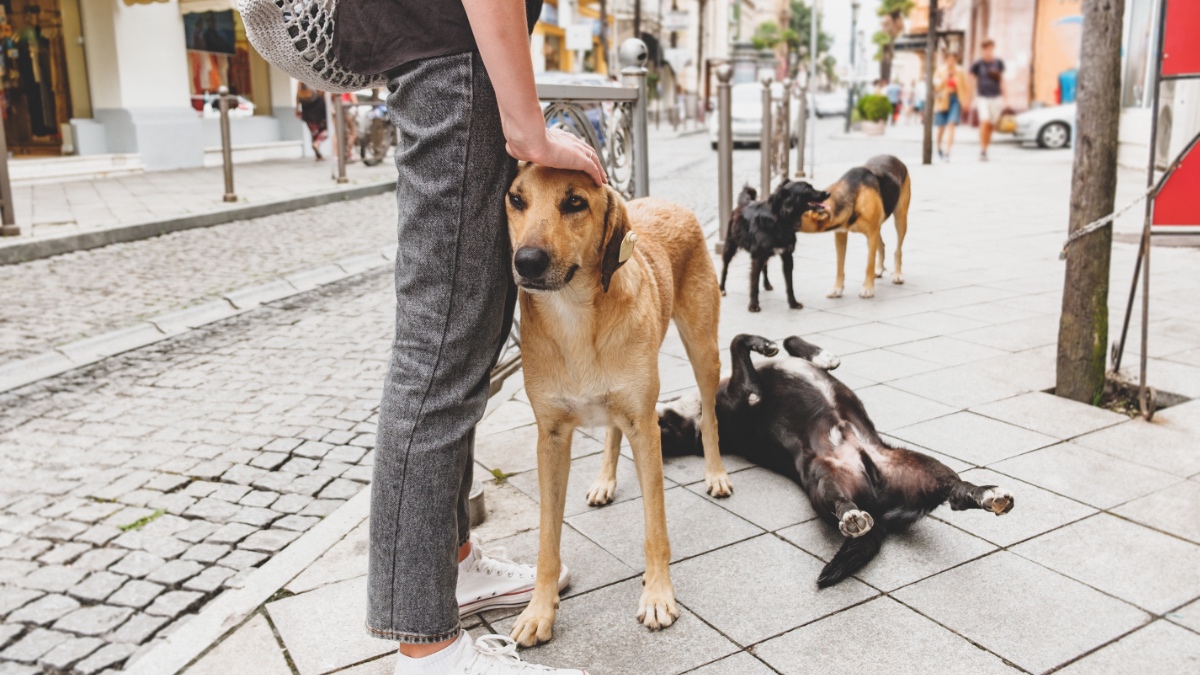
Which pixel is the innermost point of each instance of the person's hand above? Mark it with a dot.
(561, 150)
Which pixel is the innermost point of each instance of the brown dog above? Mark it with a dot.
(859, 202)
(594, 311)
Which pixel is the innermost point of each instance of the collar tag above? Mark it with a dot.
(627, 245)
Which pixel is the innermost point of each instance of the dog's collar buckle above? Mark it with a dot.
(627, 245)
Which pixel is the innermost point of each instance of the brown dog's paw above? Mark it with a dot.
(835, 293)
(602, 492)
(718, 484)
(657, 608)
(534, 626)
(867, 292)
(997, 500)
(856, 523)
(897, 279)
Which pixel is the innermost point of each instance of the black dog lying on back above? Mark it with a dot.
(790, 416)
(768, 228)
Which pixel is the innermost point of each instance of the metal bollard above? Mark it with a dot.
(226, 143)
(339, 123)
(724, 152)
(8, 222)
(802, 132)
(764, 141)
(786, 142)
(633, 55)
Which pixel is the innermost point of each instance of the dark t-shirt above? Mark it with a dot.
(987, 75)
(375, 36)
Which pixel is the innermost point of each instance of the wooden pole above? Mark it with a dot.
(931, 40)
(1083, 328)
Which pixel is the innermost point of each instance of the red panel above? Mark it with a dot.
(1177, 203)
(1181, 48)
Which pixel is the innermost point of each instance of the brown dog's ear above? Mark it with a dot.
(616, 226)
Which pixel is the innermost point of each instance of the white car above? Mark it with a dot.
(746, 100)
(832, 103)
(1052, 127)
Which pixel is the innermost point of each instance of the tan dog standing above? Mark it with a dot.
(594, 311)
(861, 201)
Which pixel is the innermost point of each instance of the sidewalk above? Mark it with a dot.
(1097, 569)
(60, 217)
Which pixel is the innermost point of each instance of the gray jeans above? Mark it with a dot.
(454, 300)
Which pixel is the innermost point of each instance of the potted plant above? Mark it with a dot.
(874, 110)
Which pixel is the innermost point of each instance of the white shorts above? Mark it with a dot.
(989, 108)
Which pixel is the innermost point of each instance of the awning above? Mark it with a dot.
(194, 6)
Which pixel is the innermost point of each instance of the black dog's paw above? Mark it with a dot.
(754, 307)
(767, 286)
(722, 292)
(762, 345)
(796, 305)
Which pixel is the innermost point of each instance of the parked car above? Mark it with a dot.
(832, 104)
(746, 113)
(209, 106)
(1051, 127)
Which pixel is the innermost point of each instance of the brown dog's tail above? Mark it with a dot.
(854, 554)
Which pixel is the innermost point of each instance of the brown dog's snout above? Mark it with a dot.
(531, 262)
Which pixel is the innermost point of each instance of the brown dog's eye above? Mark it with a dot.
(516, 201)
(574, 204)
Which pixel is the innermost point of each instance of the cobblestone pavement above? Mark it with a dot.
(56, 209)
(134, 491)
(57, 300)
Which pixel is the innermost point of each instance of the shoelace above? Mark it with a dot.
(495, 560)
(504, 649)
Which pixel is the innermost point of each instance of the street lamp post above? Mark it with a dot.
(853, 66)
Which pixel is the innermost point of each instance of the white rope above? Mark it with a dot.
(1097, 224)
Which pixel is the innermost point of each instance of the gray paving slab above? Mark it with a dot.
(251, 648)
(959, 386)
(1036, 511)
(1187, 616)
(881, 365)
(877, 334)
(945, 350)
(1143, 567)
(515, 450)
(973, 438)
(1170, 510)
(1150, 444)
(878, 637)
(583, 472)
(688, 469)
(345, 560)
(765, 498)
(927, 548)
(1049, 414)
(598, 631)
(892, 408)
(1085, 475)
(1021, 611)
(694, 526)
(741, 663)
(750, 603)
(335, 614)
(1158, 649)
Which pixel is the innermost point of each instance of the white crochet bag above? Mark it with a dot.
(296, 36)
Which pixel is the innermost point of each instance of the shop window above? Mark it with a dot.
(33, 70)
(219, 54)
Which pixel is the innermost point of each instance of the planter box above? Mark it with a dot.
(873, 128)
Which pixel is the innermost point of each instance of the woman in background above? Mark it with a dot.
(949, 88)
(310, 108)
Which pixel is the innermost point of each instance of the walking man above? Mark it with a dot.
(988, 73)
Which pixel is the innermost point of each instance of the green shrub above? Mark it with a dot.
(874, 107)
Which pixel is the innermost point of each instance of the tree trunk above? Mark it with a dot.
(885, 64)
(931, 39)
(1083, 328)
(604, 35)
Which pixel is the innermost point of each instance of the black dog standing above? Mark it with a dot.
(768, 228)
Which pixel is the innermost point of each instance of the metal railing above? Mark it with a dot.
(613, 121)
(774, 143)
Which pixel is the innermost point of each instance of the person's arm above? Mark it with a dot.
(501, 33)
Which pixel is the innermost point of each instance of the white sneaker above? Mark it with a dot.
(497, 655)
(487, 579)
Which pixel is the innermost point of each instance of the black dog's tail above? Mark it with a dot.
(748, 195)
(854, 554)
